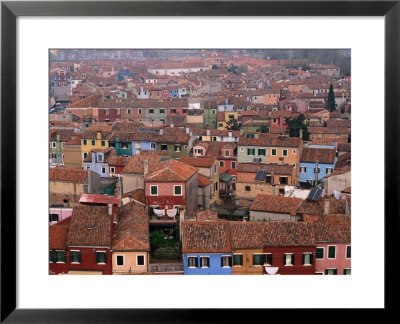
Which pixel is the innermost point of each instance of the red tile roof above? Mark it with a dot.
(199, 162)
(203, 180)
(288, 234)
(322, 155)
(275, 204)
(270, 140)
(132, 230)
(58, 237)
(333, 229)
(95, 217)
(136, 163)
(207, 236)
(68, 175)
(171, 170)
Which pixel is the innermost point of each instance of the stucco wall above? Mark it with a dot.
(130, 262)
(131, 181)
(340, 262)
(214, 266)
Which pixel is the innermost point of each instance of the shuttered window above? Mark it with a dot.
(53, 256)
(332, 252)
(140, 260)
(348, 252)
(192, 261)
(268, 259)
(288, 259)
(331, 271)
(307, 259)
(75, 256)
(101, 257)
(258, 259)
(319, 253)
(238, 260)
(226, 261)
(204, 262)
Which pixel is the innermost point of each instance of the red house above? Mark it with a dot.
(89, 239)
(171, 185)
(58, 234)
(289, 248)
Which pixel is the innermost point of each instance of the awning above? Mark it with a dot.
(226, 177)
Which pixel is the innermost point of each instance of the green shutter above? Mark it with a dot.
(335, 271)
(71, 258)
(222, 262)
(284, 259)
(52, 256)
(97, 257)
(230, 261)
(293, 258)
(61, 256)
(79, 256)
(196, 263)
(105, 258)
(311, 258)
(304, 259)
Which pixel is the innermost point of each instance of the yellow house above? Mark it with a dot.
(94, 140)
(224, 118)
(131, 244)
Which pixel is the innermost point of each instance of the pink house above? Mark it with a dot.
(57, 214)
(333, 245)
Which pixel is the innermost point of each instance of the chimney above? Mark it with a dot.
(326, 206)
(120, 191)
(146, 167)
(89, 189)
(109, 205)
(316, 173)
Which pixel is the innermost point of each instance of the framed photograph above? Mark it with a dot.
(31, 35)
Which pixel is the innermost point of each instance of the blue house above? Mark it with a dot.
(206, 248)
(97, 161)
(174, 93)
(122, 73)
(325, 158)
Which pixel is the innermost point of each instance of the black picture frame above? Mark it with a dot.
(10, 10)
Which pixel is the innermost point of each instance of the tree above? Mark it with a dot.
(232, 124)
(264, 129)
(331, 99)
(214, 67)
(297, 123)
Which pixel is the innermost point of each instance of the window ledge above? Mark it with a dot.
(101, 263)
(75, 263)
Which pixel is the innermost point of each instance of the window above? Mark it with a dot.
(139, 111)
(258, 259)
(220, 125)
(249, 135)
(273, 152)
(233, 165)
(303, 169)
(101, 257)
(316, 171)
(268, 259)
(192, 262)
(177, 147)
(93, 142)
(226, 261)
(348, 252)
(221, 163)
(112, 169)
(153, 190)
(120, 260)
(103, 170)
(214, 138)
(153, 146)
(103, 143)
(57, 256)
(294, 151)
(347, 271)
(285, 153)
(283, 180)
(129, 112)
(319, 253)
(75, 256)
(100, 158)
(106, 112)
(140, 260)
(261, 152)
(151, 111)
(251, 151)
(216, 186)
(173, 111)
(84, 142)
(238, 260)
(227, 153)
(53, 217)
(213, 111)
(117, 111)
(54, 144)
(204, 262)
(88, 167)
(328, 170)
(62, 144)
(162, 111)
(247, 188)
(307, 259)
(164, 147)
(331, 271)
(177, 190)
(288, 259)
(332, 252)
(268, 179)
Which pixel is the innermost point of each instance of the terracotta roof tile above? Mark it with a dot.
(270, 140)
(198, 161)
(68, 175)
(170, 170)
(333, 228)
(321, 154)
(275, 204)
(58, 237)
(203, 180)
(136, 162)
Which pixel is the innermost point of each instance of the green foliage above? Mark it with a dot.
(264, 129)
(169, 252)
(295, 124)
(233, 68)
(214, 67)
(232, 124)
(331, 99)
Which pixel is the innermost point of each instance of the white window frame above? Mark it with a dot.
(144, 260)
(151, 145)
(106, 112)
(283, 151)
(129, 111)
(327, 256)
(242, 149)
(288, 265)
(181, 190)
(112, 169)
(150, 190)
(53, 144)
(331, 269)
(221, 163)
(65, 256)
(294, 151)
(62, 144)
(323, 249)
(88, 167)
(116, 260)
(205, 256)
(345, 270)
(103, 168)
(177, 146)
(276, 152)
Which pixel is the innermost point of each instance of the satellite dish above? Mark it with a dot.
(271, 270)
